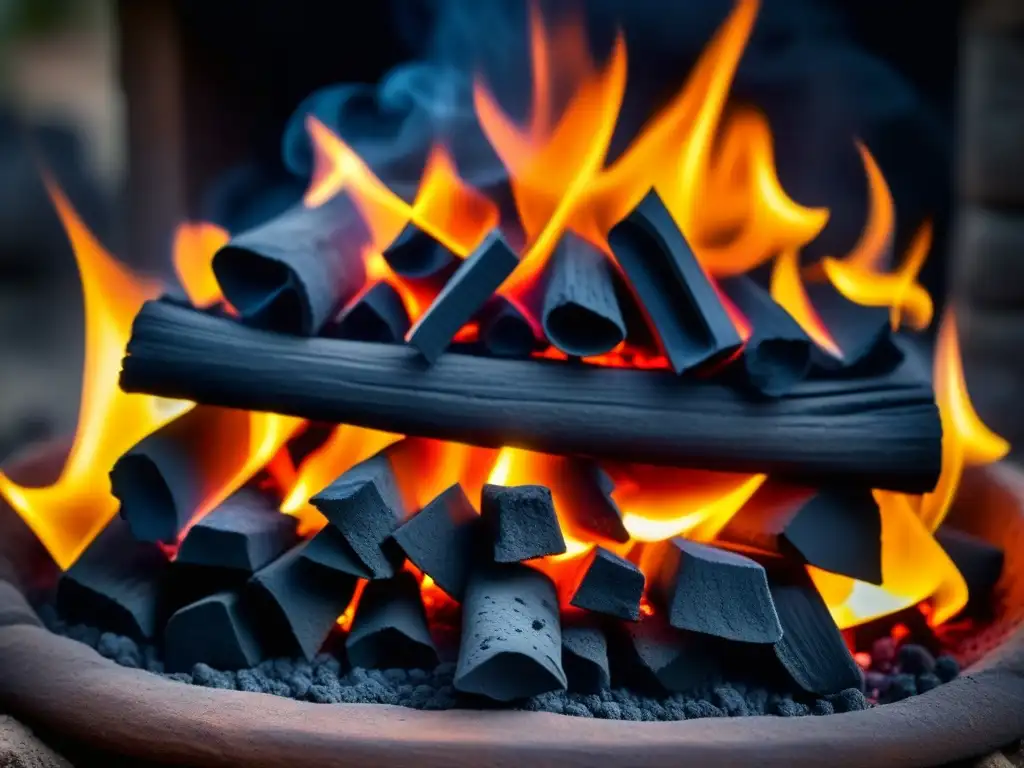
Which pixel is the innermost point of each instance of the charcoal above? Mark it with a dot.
(441, 540)
(390, 627)
(214, 631)
(712, 591)
(589, 503)
(330, 549)
(505, 331)
(416, 255)
(244, 533)
(522, 522)
(980, 563)
(609, 584)
(511, 636)
(900, 687)
(946, 668)
(863, 334)
(656, 657)
(377, 315)
(585, 658)
(915, 659)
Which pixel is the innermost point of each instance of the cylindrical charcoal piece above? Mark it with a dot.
(581, 311)
(293, 273)
(511, 638)
(377, 315)
(213, 631)
(416, 255)
(390, 627)
(585, 658)
(504, 330)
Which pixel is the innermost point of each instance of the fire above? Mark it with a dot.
(195, 243)
(67, 515)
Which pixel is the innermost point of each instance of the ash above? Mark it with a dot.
(325, 681)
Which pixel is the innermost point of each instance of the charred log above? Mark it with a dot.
(883, 432)
(609, 584)
(214, 631)
(522, 522)
(390, 627)
(377, 315)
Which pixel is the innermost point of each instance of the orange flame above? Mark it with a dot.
(195, 243)
(787, 289)
(67, 515)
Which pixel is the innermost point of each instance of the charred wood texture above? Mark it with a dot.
(863, 334)
(293, 273)
(511, 637)
(366, 506)
(812, 650)
(415, 255)
(585, 658)
(838, 529)
(473, 283)
(654, 657)
(504, 330)
(709, 590)
(883, 432)
(298, 602)
(214, 631)
(244, 533)
(522, 522)
(980, 563)
(589, 504)
(609, 584)
(377, 315)
(117, 585)
(778, 353)
(581, 313)
(390, 627)
(442, 540)
(671, 287)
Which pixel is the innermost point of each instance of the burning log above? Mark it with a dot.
(522, 522)
(330, 549)
(244, 533)
(163, 480)
(585, 658)
(778, 353)
(863, 334)
(366, 506)
(590, 505)
(504, 330)
(980, 563)
(671, 287)
(117, 585)
(812, 650)
(214, 631)
(390, 627)
(293, 273)
(511, 637)
(883, 432)
(298, 602)
(378, 315)
(581, 313)
(655, 657)
(441, 540)
(479, 276)
(415, 255)
(838, 530)
(609, 584)
(709, 590)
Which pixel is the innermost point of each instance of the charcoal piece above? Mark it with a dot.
(585, 658)
(389, 630)
(654, 657)
(297, 603)
(244, 533)
(117, 585)
(712, 591)
(377, 315)
(812, 650)
(293, 273)
(609, 584)
(980, 563)
(589, 503)
(863, 334)
(213, 631)
(880, 432)
(672, 289)
(442, 539)
(511, 637)
(522, 522)
(838, 529)
(330, 549)
(416, 255)
(504, 330)
(581, 314)
(366, 506)
(479, 276)
(778, 353)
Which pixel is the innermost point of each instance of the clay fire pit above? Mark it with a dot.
(65, 689)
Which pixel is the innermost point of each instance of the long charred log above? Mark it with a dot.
(671, 287)
(293, 273)
(882, 432)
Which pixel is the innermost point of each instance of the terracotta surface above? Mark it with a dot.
(62, 686)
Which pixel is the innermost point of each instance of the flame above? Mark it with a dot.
(67, 515)
(195, 243)
(787, 289)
